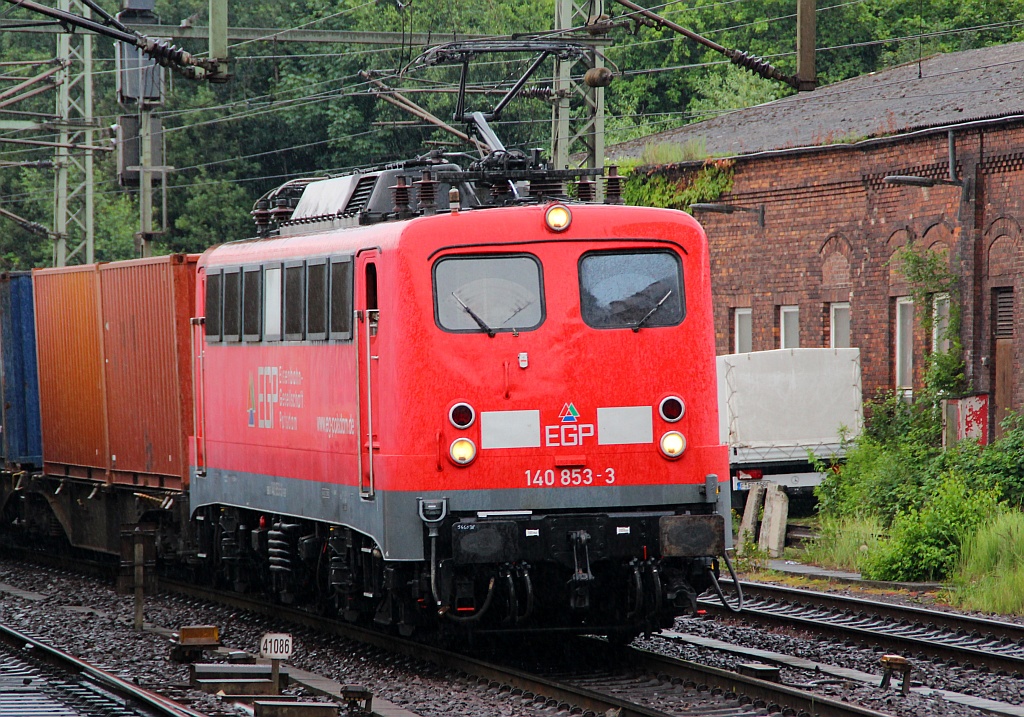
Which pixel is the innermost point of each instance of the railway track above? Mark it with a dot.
(625, 685)
(956, 639)
(37, 679)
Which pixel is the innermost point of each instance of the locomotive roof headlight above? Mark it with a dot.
(462, 451)
(672, 444)
(558, 217)
(671, 408)
(462, 415)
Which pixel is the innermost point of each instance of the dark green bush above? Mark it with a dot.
(928, 500)
(925, 542)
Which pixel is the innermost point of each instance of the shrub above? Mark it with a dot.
(877, 479)
(925, 542)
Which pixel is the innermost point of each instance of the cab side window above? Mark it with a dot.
(213, 306)
(341, 298)
(252, 303)
(232, 305)
(272, 303)
(316, 300)
(294, 302)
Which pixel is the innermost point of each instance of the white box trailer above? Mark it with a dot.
(775, 408)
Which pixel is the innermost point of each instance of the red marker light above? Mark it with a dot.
(462, 415)
(671, 409)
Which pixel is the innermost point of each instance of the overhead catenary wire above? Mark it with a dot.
(326, 96)
(647, 71)
(681, 114)
(714, 31)
(277, 34)
(307, 99)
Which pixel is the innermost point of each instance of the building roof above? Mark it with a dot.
(951, 89)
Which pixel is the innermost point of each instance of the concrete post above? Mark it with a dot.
(773, 527)
(751, 511)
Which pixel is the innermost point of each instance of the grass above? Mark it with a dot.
(990, 574)
(671, 153)
(843, 542)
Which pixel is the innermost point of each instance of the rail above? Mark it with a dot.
(962, 639)
(561, 692)
(133, 694)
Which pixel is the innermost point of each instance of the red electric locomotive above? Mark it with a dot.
(434, 413)
(400, 404)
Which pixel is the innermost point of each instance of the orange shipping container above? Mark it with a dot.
(115, 377)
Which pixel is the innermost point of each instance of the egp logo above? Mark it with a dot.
(569, 431)
(263, 395)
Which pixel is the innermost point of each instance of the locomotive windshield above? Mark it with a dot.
(631, 289)
(488, 294)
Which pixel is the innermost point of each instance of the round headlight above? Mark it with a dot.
(671, 408)
(462, 451)
(558, 218)
(462, 415)
(673, 444)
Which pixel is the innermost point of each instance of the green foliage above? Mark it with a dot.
(725, 88)
(898, 458)
(298, 110)
(929, 276)
(924, 543)
(929, 501)
(654, 189)
(669, 153)
(990, 574)
(117, 218)
(997, 467)
(215, 211)
(876, 482)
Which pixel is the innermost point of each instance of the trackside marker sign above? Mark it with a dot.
(276, 646)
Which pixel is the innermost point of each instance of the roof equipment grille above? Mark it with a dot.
(361, 195)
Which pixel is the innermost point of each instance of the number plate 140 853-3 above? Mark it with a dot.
(568, 477)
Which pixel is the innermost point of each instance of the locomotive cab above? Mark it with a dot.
(581, 493)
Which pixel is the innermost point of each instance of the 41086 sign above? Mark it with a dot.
(276, 646)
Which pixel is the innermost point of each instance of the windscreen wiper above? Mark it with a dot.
(650, 313)
(514, 313)
(473, 315)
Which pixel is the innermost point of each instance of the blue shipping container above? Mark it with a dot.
(22, 441)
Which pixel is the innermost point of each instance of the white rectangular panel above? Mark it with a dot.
(789, 397)
(625, 425)
(510, 429)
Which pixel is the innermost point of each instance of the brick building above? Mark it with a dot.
(818, 272)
